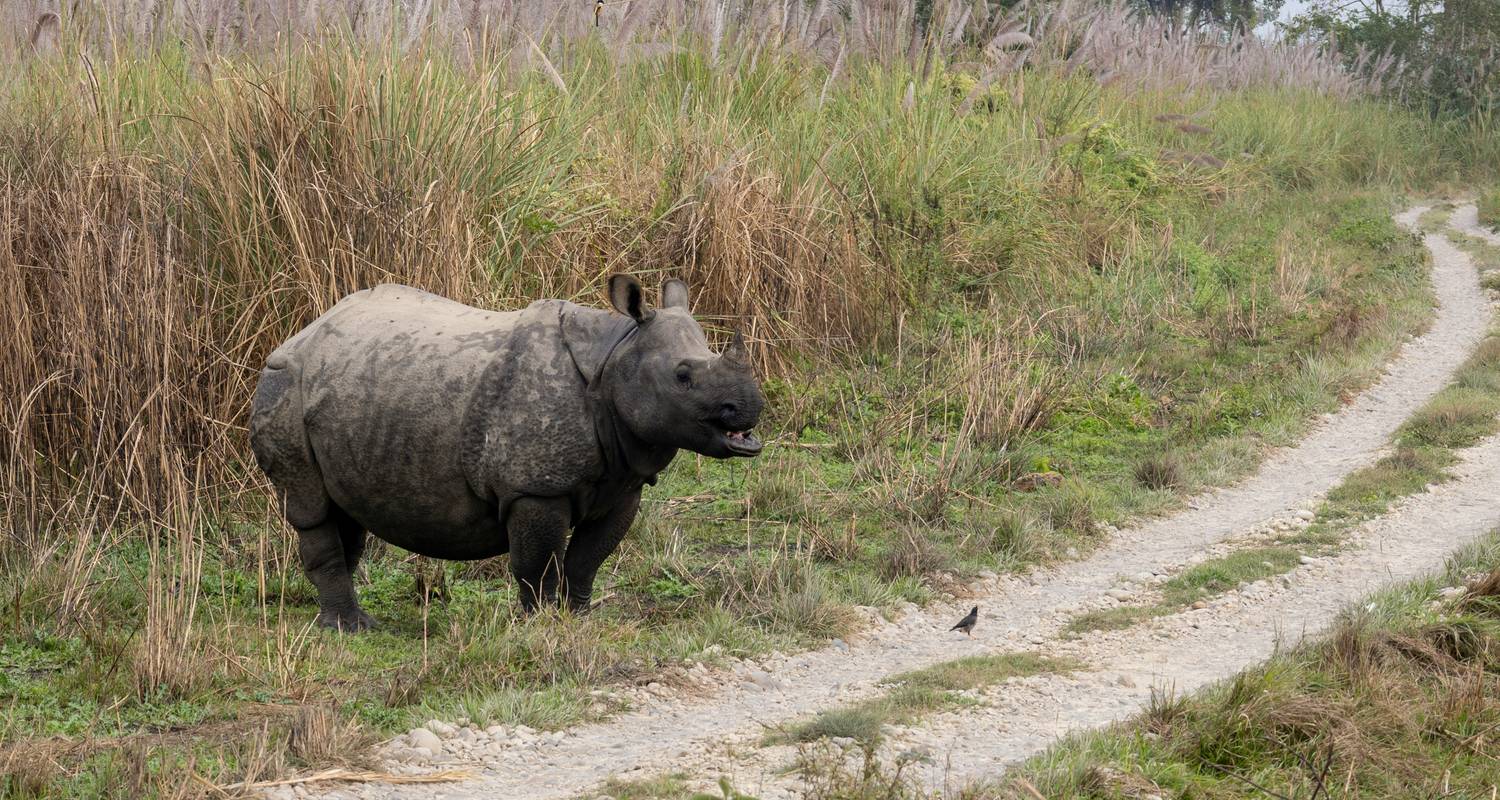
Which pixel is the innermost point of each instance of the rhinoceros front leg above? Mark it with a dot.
(538, 530)
(593, 541)
(330, 551)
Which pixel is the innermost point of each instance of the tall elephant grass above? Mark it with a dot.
(184, 226)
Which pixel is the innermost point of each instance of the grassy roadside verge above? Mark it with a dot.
(1489, 209)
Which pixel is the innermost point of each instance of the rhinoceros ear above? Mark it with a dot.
(628, 298)
(674, 294)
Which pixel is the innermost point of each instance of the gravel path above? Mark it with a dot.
(715, 728)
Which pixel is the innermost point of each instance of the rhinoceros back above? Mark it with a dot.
(397, 393)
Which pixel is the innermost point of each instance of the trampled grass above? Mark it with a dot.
(974, 320)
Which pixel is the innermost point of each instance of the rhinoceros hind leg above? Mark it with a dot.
(329, 565)
(538, 530)
(352, 537)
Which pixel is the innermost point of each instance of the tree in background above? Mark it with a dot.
(1448, 49)
(1238, 15)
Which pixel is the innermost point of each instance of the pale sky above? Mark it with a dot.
(1291, 9)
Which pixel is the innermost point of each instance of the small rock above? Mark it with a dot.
(1200, 604)
(440, 728)
(495, 730)
(840, 644)
(422, 737)
(1125, 681)
(1450, 592)
(763, 680)
(1071, 552)
(1307, 560)
(466, 735)
(462, 722)
(1305, 515)
(1118, 594)
(407, 755)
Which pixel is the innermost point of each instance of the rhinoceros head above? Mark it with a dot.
(669, 388)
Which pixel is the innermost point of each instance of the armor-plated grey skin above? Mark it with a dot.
(460, 433)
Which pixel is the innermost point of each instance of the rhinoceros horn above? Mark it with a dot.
(736, 354)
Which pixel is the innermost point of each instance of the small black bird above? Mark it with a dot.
(967, 623)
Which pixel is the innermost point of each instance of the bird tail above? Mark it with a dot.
(955, 627)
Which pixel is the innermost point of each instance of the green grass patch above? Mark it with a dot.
(1457, 417)
(1489, 209)
(915, 694)
(1199, 582)
(1219, 575)
(664, 787)
(1485, 254)
(1113, 619)
(1369, 491)
(1435, 219)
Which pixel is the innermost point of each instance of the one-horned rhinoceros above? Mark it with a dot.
(460, 433)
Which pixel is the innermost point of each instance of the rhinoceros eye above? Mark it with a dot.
(684, 375)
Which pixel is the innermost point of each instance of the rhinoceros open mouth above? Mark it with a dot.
(742, 443)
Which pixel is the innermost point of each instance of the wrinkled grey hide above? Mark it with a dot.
(460, 433)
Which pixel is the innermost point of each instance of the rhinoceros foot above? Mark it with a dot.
(579, 607)
(352, 620)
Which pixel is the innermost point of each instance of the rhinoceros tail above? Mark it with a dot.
(278, 437)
